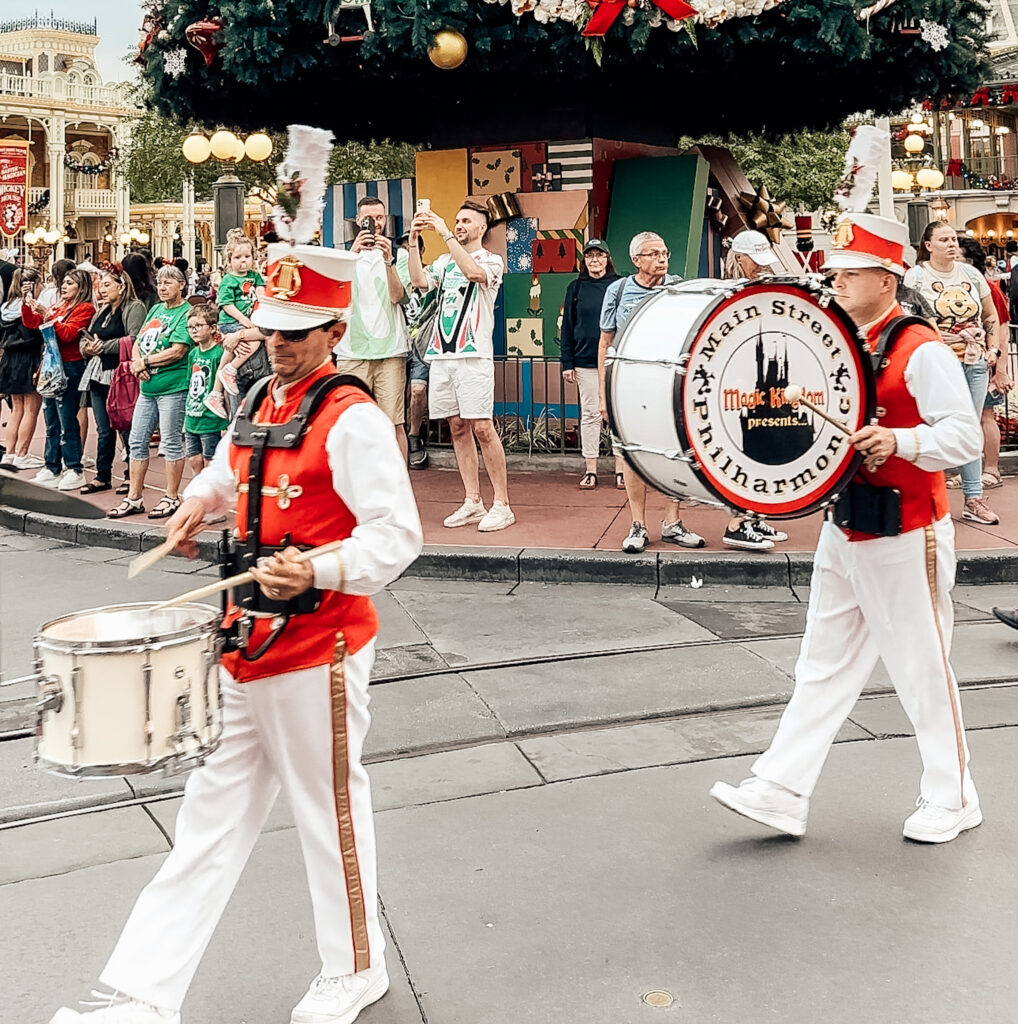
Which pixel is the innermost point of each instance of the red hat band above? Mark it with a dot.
(849, 237)
(291, 281)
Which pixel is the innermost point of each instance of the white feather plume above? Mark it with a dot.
(862, 161)
(302, 176)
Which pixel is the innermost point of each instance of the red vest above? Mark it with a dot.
(298, 498)
(923, 495)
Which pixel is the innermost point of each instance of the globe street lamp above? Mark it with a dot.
(41, 243)
(228, 191)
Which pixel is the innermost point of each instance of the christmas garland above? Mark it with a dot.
(72, 163)
(39, 205)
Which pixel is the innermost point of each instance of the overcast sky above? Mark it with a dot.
(118, 27)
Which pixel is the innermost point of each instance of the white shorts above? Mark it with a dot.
(461, 387)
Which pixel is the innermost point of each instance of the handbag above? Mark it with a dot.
(420, 316)
(124, 389)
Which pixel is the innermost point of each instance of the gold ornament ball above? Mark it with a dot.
(449, 50)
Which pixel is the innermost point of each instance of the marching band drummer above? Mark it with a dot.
(881, 583)
(295, 690)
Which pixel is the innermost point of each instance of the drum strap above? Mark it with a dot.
(889, 335)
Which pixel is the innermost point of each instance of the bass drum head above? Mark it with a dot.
(753, 449)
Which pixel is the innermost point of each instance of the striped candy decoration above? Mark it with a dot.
(577, 161)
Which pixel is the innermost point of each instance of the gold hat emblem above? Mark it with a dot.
(843, 235)
(284, 278)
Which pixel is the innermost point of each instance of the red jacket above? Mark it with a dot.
(67, 325)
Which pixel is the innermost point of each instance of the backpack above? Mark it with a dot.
(421, 314)
(124, 389)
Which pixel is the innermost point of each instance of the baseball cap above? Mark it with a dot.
(755, 245)
(596, 243)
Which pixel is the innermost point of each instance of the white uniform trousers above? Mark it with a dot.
(886, 598)
(302, 732)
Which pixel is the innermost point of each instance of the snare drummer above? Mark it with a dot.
(295, 716)
(881, 587)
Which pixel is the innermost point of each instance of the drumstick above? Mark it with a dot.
(235, 581)
(793, 394)
(149, 558)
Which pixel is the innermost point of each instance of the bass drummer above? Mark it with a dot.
(884, 567)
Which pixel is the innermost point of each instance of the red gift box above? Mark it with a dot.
(554, 255)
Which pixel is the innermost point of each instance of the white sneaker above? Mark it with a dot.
(765, 802)
(9, 460)
(340, 1000)
(71, 481)
(499, 517)
(468, 512)
(116, 1009)
(28, 462)
(933, 824)
(45, 476)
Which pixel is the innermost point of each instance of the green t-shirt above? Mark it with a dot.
(164, 327)
(201, 368)
(239, 292)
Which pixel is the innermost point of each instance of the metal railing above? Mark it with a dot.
(983, 167)
(91, 200)
(62, 89)
(79, 28)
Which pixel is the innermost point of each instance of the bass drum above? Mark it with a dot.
(695, 391)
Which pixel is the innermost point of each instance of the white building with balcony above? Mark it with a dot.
(52, 95)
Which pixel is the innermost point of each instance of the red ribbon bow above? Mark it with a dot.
(606, 11)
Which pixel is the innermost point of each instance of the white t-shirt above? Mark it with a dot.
(376, 328)
(464, 333)
(956, 297)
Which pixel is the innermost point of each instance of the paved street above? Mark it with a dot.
(540, 758)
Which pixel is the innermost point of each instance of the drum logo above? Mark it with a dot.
(757, 449)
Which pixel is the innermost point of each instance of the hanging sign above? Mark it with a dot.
(13, 187)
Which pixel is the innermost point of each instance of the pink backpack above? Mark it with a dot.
(124, 389)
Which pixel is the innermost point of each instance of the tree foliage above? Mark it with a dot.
(800, 169)
(156, 168)
(804, 64)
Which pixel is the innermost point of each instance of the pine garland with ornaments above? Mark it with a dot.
(462, 71)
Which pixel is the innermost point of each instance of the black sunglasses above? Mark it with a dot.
(296, 335)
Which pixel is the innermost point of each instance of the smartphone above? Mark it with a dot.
(368, 224)
(424, 206)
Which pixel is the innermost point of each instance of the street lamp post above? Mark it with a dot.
(228, 191)
(134, 239)
(915, 176)
(41, 244)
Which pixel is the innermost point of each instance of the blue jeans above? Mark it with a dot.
(201, 444)
(168, 412)
(977, 376)
(63, 435)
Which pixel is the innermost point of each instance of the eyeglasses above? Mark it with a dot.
(594, 254)
(293, 336)
(658, 254)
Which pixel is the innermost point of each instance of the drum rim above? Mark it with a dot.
(179, 763)
(151, 642)
(869, 396)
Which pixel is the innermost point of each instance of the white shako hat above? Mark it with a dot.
(754, 244)
(305, 286)
(862, 240)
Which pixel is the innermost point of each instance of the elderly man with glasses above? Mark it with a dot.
(650, 256)
(309, 460)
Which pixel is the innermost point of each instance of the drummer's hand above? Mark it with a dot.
(185, 524)
(281, 578)
(878, 444)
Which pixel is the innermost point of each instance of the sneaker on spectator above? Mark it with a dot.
(9, 461)
(46, 477)
(747, 537)
(214, 402)
(228, 376)
(468, 512)
(676, 533)
(977, 511)
(339, 1000)
(418, 452)
(72, 480)
(28, 462)
(498, 517)
(766, 530)
(636, 540)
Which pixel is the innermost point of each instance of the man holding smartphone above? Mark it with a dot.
(374, 346)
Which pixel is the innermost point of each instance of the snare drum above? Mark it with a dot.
(127, 690)
(695, 390)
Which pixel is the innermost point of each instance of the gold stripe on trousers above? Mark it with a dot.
(952, 692)
(344, 816)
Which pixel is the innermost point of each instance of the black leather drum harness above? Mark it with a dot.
(236, 556)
